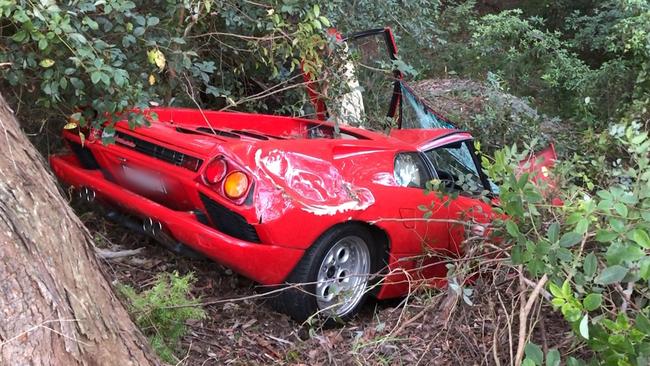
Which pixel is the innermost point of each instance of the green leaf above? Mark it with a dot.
(42, 44)
(324, 21)
(528, 362)
(582, 226)
(584, 327)
(644, 268)
(91, 23)
(20, 36)
(617, 224)
(618, 253)
(605, 195)
(553, 232)
(642, 323)
(152, 21)
(512, 228)
(574, 362)
(558, 302)
(628, 198)
(592, 301)
(534, 352)
(556, 291)
(566, 289)
(96, 76)
(46, 63)
(605, 205)
(553, 357)
(564, 254)
(138, 31)
(590, 264)
(611, 275)
(621, 209)
(571, 313)
(570, 239)
(641, 237)
(604, 236)
(119, 79)
(77, 37)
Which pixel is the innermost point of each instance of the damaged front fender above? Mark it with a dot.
(316, 186)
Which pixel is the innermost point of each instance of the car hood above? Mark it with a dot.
(166, 133)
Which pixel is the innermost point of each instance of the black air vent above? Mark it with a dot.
(228, 222)
(237, 134)
(219, 132)
(251, 134)
(158, 152)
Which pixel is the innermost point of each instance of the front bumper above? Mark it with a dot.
(264, 263)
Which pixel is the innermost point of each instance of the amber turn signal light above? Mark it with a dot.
(235, 185)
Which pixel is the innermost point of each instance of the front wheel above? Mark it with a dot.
(332, 279)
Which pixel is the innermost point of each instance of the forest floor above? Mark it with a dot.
(240, 329)
(428, 327)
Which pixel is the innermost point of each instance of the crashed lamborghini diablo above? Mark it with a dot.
(287, 201)
(279, 200)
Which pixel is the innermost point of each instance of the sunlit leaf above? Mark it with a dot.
(46, 63)
(584, 327)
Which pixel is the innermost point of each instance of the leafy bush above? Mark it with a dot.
(161, 311)
(490, 113)
(593, 248)
(109, 56)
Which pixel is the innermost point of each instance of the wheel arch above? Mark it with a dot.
(379, 236)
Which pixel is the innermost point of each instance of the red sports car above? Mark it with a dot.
(285, 200)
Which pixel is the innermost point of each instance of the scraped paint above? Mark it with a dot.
(314, 185)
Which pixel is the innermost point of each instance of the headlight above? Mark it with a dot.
(409, 170)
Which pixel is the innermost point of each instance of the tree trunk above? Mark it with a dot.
(56, 306)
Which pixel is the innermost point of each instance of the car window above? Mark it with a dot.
(454, 164)
(410, 170)
(416, 115)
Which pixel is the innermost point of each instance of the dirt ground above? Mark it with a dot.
(240, 329)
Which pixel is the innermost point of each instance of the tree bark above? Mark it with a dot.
(56, 306)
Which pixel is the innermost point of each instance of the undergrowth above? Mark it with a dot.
(162, 311)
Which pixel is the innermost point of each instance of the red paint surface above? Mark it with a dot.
(301, 188)
(249, 259)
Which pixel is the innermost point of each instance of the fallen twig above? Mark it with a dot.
(523, 314)
(107, 254)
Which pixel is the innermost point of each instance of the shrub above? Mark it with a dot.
(162, 310)
(593, 248)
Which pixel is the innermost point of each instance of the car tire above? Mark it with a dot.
(323, 285)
